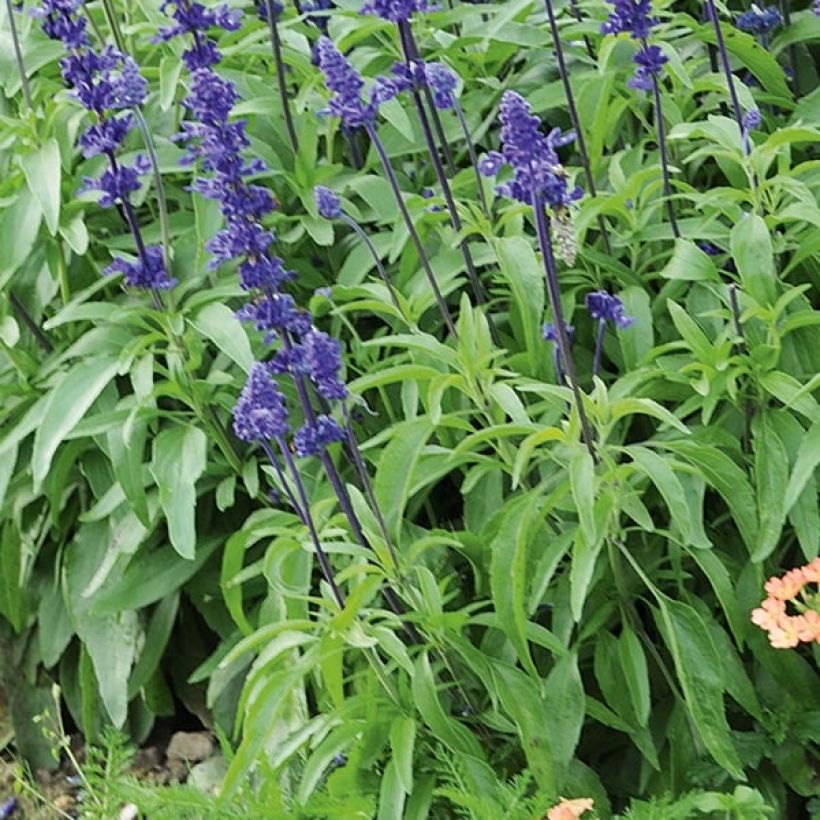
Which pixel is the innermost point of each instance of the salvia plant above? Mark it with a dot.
(422, 397)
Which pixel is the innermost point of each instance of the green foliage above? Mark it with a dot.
(569, 626)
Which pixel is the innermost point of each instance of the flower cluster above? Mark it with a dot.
(328, 202)
(570, 809)
(106, 82)
(346, 86)
(604, 307)
(532, 156)
(218, 144)
(787, 631)
(194, 18)
(440, 79)
(759, 21)
(634, 17)
(751, 120)
(397, 11)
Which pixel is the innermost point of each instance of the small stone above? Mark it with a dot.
(129, 812)
(207, 776)
(192, 747)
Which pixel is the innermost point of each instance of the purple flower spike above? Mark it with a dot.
(323, 361)
(260, 413)
(532, 156)
(443, 83)
(347, 85)
(147, 271)
(397, 11)
(491, 164)
(550, 332)
(194, 18)
(759, 21)
(604, 307)
(630, 16)
(313, 438)
(649, 61)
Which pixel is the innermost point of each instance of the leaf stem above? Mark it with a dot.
(711, 10)
(543, 231)
(411, 228)
(18, 55)
(281, 82)
(441, 176)
(575, 118)
(661, 126)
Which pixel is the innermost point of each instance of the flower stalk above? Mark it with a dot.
(575, 118)
(281, 81)
(18, 56)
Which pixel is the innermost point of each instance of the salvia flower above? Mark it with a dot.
(106, 82)
(443, 83)
(346, 86)
(532, 156)
(194, 18)
(550, 332)
(315, 436)
(759, 21)
(490, 164)
(260, 413)
(631, 17)
(604, 307)
(751, 120)
(397, 11)
(328, 202)
(649, 61)
(147, 271)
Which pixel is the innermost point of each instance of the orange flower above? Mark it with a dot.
(570, 809)
(808, 626)
(785, 634)
(785, 588)
(769, 614)
(811, 572)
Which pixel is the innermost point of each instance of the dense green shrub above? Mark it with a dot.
(542, 575)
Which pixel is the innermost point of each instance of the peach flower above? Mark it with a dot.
(570, 809)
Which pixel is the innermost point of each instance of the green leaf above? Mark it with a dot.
(156, 639)
(19, 224)
(12, 604)
(689, 263)
(698, 668)
(42, 170)
(637, 339)
(808, 457)
(771, 470)
(658, 471)
(218, 323)
(67, 403)
(635, 673)
(523, 273)
(752, 251)
(402, 741)
(728, 479)
(564, 705)
(397, 465)
(509, 566)
(179, 458)
(392, 794)
(582, 482)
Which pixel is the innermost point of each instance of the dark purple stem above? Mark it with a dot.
(468, 138)
(411, 52)
(321, 555)
(667, 187)
(553, 290)
(441, 176)
(282, 480)
(575, 118)
(359, 231)
(411, 229)
(725, 63)
(18, 55)
(599, 346)
(336, 482)
(134, 227)
(576, 13)
(280, 75)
